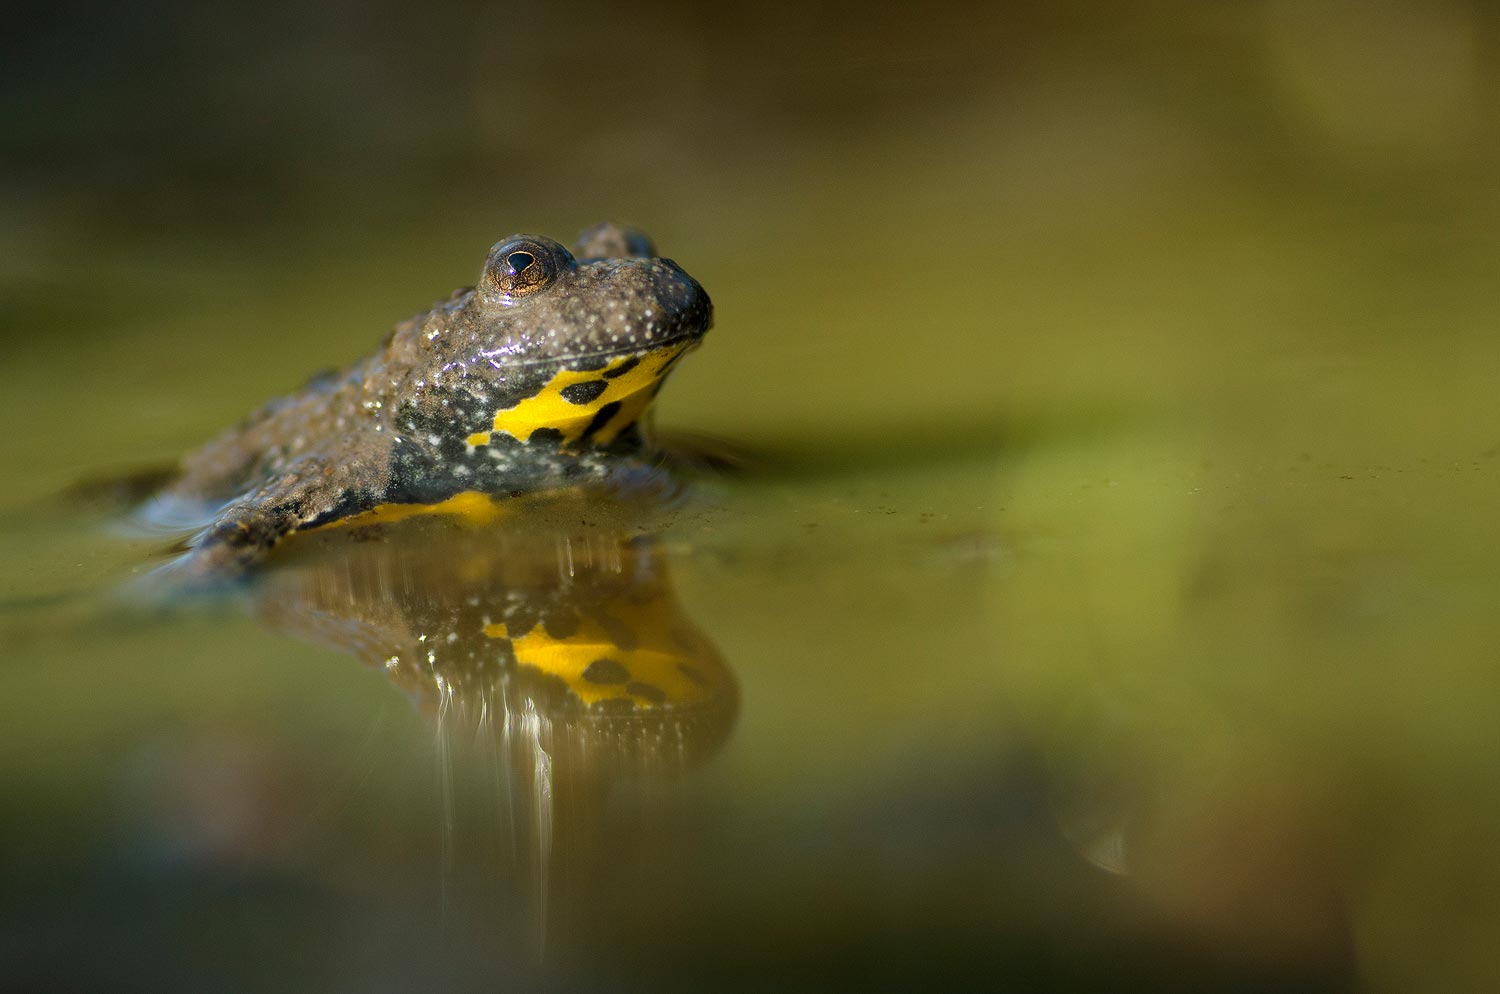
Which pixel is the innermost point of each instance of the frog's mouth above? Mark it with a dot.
(589, 406)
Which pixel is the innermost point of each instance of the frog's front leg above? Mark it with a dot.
(245, 532)
(240, 538)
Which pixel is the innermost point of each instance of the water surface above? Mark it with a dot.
(1109, 599)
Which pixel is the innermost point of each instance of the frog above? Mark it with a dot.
(540, 376)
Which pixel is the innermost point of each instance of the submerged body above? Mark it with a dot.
(537, 377)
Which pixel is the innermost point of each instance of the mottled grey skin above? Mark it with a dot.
(391, 428)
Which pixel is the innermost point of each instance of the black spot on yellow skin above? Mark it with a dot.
(620, 633)
(602, 417)
(623, 368)
(692, 674)
(583, 393)
(561, 625)
(651, 693)
(606, 671)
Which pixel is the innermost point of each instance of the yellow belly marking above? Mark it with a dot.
(473, 507)
(632, 389)
(670, 664)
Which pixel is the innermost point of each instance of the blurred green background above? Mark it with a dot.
(1115, 608)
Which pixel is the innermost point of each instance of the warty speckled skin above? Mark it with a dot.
(545, 339)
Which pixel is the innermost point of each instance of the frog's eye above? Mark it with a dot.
(519, 267)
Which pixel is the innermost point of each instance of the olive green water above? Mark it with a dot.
(1111, 595)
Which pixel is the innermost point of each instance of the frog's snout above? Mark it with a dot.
(693, 308)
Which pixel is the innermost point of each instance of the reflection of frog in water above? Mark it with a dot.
(576, 624)
(562, 675)
(536, 378)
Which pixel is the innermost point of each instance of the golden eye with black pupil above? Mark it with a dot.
(520, 267)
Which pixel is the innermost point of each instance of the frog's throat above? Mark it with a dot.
(590, 406)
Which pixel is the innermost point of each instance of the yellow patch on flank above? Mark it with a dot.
(632, 390)
(478, 438)
(473, 507)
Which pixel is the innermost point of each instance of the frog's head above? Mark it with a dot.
(576, 347)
